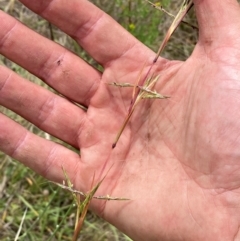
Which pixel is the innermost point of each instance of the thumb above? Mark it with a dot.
(218, 20)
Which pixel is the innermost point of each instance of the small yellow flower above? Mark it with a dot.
(131, 26)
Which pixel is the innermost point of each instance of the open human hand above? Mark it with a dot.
(178, 160)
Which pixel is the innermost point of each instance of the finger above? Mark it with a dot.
(93, 29)
(59, 68)
(218, 20)
(42, 156)
(43, 108)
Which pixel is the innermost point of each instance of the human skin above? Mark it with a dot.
(178, 160)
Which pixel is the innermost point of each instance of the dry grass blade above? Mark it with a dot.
(186, 6)
(145, 85)
(83, 208)
(158, 6)
(82, 211)
(20, 226)
(9, 8)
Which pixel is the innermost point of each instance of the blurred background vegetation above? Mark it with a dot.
(50, 211)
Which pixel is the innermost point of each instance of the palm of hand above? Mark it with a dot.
(175, 152)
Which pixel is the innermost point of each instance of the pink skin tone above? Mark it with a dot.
(178, 160)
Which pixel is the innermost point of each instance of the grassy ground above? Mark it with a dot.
(49, 209)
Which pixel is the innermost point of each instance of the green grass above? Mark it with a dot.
(50, 210)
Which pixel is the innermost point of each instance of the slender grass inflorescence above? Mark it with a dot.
(143, 89)
(82, 206)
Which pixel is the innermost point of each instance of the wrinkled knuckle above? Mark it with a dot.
(46, 110)
(49, 162)
(5, 39)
